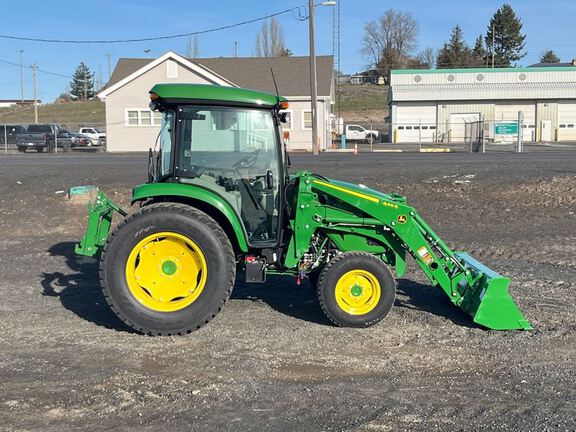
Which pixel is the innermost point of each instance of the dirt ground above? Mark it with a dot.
(270, 360)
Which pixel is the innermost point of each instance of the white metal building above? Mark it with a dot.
(434, 105)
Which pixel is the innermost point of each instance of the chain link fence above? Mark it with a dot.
(85, 136)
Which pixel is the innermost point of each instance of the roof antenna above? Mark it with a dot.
(275, 86)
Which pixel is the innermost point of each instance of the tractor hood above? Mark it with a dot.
(363, 190)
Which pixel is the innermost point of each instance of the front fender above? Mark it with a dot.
(151, 190)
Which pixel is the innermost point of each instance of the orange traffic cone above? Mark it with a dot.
(356, 149)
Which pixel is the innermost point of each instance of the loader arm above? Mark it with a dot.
(387, 221)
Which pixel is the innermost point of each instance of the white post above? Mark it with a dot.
(5, 139)
(55, 140)
(520, 135)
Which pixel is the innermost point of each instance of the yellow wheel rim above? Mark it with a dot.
(166, 272)
(358, 292)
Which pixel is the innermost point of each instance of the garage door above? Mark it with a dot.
(566, 121)
(457, 128)
(416, 123)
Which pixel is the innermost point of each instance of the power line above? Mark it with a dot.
(148, 39)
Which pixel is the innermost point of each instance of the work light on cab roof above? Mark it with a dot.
(219, 198)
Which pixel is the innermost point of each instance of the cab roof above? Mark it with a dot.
(214, 93)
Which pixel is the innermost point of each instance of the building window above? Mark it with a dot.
(132, 118)
(306, 119)
(171, 69)
(288, 125)
(143, 117)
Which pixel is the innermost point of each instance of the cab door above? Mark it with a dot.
(234, 153)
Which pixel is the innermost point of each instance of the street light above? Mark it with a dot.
(313, 76)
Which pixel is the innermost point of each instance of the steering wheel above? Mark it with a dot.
(247, 161)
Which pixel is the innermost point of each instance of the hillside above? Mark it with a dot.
(364, 103)
(88, 113)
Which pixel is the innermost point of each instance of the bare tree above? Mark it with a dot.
(389, 41)
(427, 58)
(192, 47)
(270, 40)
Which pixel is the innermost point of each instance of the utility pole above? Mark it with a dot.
(235, 49)
(109, 68)
(21, 77)
(85, 87)
(493, 40)
(34, 71)
(313, 80)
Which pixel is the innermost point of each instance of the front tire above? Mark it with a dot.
(167, 269)
(356, 289)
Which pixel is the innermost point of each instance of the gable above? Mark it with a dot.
(292, 73)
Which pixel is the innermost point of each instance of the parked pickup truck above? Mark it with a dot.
(42, 137)
(355, 132)
(97, 137)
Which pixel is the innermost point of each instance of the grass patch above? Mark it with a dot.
(87, 113)
(363, 97)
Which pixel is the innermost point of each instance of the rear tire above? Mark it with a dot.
(22, 149)
(356, 289)
(167, 269)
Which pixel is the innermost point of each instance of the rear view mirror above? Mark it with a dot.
(284, 117)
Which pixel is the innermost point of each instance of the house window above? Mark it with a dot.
(306, 119)
(143, 117)
(171, 69)
(288, 125)
(132, 118)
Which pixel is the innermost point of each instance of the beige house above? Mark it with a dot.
(131, 126)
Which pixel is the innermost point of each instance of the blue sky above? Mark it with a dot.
(548, 24)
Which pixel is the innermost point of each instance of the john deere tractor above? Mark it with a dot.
(219, 198)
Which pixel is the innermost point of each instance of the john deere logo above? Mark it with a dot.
(401, 219)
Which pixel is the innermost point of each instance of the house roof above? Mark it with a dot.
(292, 73)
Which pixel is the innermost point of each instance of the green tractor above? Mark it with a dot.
(219, 197)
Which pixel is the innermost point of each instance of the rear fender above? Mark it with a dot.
(211, 201)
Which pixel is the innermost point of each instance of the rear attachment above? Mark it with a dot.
(99, 222)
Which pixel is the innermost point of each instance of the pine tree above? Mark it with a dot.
(505, 28)
(82, 84)
(454, 53)
(479, 52)
(549, 56)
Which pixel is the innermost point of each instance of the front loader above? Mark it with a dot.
(219, 197)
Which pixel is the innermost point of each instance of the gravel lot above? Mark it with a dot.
(270, 360)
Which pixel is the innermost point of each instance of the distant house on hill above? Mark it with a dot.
(131, 126)
(371, 76)
(5, 103)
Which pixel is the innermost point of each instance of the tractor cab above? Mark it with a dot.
(225, 140)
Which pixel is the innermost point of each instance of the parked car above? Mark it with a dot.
(79, 140)
(42, 137)
(358, 133)
(97, 136)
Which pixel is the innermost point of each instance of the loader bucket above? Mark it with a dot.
(488, 300)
